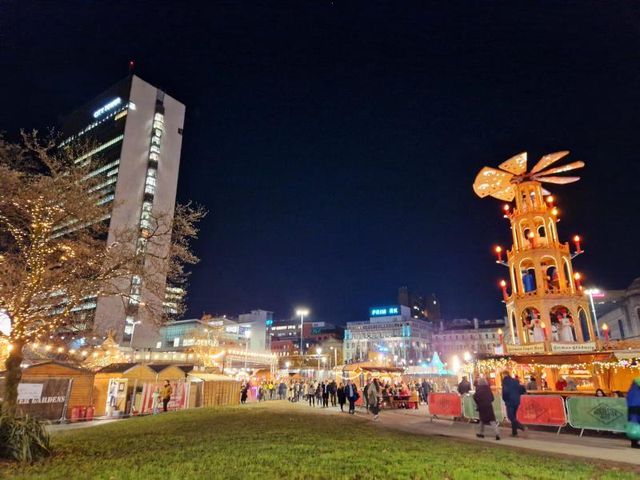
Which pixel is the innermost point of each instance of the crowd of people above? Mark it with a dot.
(265, 390)
(378, 394)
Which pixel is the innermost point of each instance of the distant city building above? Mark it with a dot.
(462, 335)
(421, 307)
(620, 310)
(137, 133)
(185, 334)
(391, 333)
(256, 324)
(284, 335)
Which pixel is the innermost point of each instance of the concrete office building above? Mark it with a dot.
(391, 334)
(472, 336)
(137, 132)
(620, 311)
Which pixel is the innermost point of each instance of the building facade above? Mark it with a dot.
(284, 336)
(472, 336)
(620, 311)
(391, 333)
(136, 134)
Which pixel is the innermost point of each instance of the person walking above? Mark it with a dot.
(511, 393)
(244, 393)
(351, 393)
(319, 394)
(325, 395)
(166, 395)
(633, 408)
(373, 398)
(483, 397)
(464, 386)
(333, 391)
(342, 399)
(271, 389)
(366, 397)
(426, 390)
(311, 394)
(282, 390)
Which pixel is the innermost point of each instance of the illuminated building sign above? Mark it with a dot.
(384, 311)
(107, 106)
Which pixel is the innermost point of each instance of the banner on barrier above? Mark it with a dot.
(470, 410)
(445, 404)
(542, 410)
(179, 396)
(597, 413)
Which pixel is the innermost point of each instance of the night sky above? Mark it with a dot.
(335, 143)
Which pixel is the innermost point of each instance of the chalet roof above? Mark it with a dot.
(118, 367)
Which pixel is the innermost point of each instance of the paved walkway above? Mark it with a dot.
(417, 421)
(63, 427)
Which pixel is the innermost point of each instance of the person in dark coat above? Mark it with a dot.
(325, 395)
(426, 390)
(342, 398)
(333, 391)
(464, 386)
(244, 393)
(511, 393)
(633, 407)
(483, 397)
(351, 392)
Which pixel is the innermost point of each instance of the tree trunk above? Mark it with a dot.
(13, 376)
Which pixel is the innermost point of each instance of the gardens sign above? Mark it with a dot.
(45, 399)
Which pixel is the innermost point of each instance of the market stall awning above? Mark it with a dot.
(371, 367)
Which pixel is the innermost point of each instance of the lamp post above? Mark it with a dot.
(133, 324)
(247, 336)
(302, 312)
(591, 292)
(335, 356)
(318, 351)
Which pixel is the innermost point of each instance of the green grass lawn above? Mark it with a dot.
(282, 442)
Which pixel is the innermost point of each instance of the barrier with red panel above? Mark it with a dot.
(542, 410)
(445, 405)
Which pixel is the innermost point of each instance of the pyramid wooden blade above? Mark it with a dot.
(547, 160)
(558, 180)
(491, 180)
(516, 165)
(565, 168)
(506, 195)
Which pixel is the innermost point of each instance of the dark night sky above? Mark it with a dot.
(335, 143)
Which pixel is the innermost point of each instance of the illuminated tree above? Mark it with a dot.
(53, 250)
(206, 346)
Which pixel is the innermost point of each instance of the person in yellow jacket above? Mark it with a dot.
(166, 394)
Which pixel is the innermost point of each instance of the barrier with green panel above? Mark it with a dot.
(597, 413)
(470, 410)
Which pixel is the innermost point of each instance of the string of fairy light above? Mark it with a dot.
(501, 364)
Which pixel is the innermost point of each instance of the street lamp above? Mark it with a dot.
(591, 292)
(318, 352)
(302, 312)
(133, 324)
(335, 356)
(247, 335)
